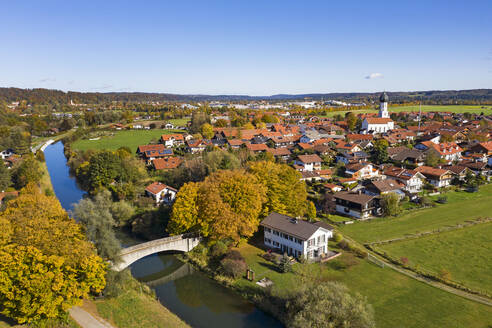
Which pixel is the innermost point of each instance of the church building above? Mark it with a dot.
(381, 124)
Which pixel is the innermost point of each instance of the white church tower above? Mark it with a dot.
(383, 105)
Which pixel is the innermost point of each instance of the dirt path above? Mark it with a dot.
(87, 320)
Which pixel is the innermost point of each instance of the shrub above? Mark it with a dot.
(404, 260)
(40, 156)
(442, 200)
(269, 257)
(284, 264)
(218, 249)
(233, 268)
(425, 201)
(343, 244)
(337, 237)
(234, 255)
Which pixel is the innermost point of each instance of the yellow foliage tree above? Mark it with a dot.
(46, 263)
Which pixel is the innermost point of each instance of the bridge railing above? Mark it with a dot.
(157, 242)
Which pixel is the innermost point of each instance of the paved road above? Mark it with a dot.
(87, 320)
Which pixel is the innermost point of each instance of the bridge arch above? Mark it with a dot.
(180, 243)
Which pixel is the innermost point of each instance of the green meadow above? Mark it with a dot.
(476, 109)
(128, 138)
(465, 253)
(461, 206)
(398, 301)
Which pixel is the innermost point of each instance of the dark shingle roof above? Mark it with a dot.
(298, 228)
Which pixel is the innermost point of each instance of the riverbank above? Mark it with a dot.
(134, 309)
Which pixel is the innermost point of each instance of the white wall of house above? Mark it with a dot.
(349, 211)
(297, 247)
(167, 195)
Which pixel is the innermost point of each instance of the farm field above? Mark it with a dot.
(477, 109)
(128, 138)
(398, 300)
(465, 253)
(461, 206)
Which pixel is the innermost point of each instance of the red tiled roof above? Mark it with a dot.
(157, 187)
(378, 120)
(167, 163)
(310, 158)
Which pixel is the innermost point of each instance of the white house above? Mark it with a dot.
(161, 193)
(381, 124)
(361, 171)
(412, 180)
(296, 237)
(309, 162)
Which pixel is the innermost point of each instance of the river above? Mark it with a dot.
(190, 294)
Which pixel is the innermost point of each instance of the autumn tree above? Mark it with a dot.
(351, 121)
(286, 193)
(228, 204)
(310, 210)
(46, 263)
(207, 131)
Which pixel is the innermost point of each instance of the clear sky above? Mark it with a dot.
(246, 47)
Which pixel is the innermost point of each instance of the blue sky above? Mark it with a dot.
(246, 47)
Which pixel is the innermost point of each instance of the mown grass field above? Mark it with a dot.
(477, 109)
(179, 121)
(465, 253)
(128, 138)
(132, 309)
(461, 206)
(398, 300)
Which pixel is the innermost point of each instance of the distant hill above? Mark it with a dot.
(47, 96)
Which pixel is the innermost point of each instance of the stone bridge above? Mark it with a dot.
(180, 243)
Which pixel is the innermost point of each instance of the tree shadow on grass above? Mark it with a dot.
(9, 321)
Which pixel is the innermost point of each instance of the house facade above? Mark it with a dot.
(161, 193)
(296, 237)
(358, 205)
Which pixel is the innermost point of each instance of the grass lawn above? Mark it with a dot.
(128, 138)
(425, 108)
(465, 253)
(179, 121)
(132, 309)
(461, 206)
(398, 300)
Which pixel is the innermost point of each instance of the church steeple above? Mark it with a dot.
(383, 105)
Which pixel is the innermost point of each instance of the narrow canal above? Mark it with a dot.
(190, 294)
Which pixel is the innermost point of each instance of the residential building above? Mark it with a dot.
(361, 171)
(439, 178)
(295, 236)
(161, 193)
(358, 205)
(412, 180)
(309, 162)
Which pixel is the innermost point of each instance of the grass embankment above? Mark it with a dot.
(476, 109)
(133, 309)
(398, 300)
(461, 206)
(123, 138)
(465, 253)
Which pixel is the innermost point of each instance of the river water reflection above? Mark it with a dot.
(190, 294)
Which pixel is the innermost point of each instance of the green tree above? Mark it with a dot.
(351, 121)
(390, 204)
(29, 171)
(380, 151)
(284, 264)
(5, 178)
(96, 216)
(329, 304)
(432, 159)
(197, 120)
